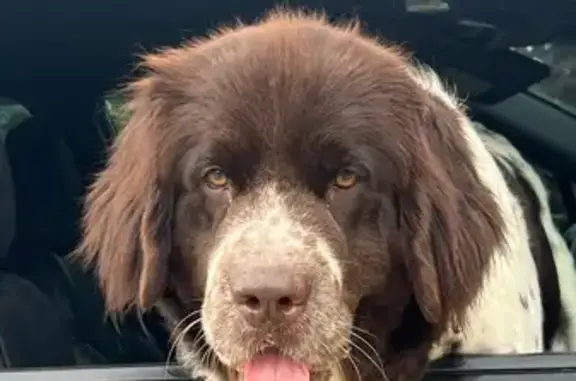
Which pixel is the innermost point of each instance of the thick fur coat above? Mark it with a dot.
(299, 188)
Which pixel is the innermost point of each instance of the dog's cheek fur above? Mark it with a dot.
(197, 216)
(365, 219)
(448, 228)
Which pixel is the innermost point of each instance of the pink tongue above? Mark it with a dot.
(275, 368)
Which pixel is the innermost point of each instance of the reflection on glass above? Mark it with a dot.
(560, 86)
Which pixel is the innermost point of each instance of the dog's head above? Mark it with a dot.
(283, 177)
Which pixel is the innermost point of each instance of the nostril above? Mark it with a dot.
(255, 304)
(285, 302)
(252, 302)
(268, 304)
(273, 294)
(288, 306)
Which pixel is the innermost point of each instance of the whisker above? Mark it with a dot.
(199, 336)
(341, 370)
(371, 360)
(180, 337)
(140, 317)
(206, 357)
(342, 347)
(184, 320)
(366, 332)
(370, 347)
(350, 359)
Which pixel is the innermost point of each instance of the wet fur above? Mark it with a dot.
(425, 250)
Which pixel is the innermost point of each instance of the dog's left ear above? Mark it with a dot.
(450, 220)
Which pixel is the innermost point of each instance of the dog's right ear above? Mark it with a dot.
(127, 224)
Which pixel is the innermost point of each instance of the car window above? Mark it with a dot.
(560, 86)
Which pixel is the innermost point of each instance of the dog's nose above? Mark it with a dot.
(272, 294)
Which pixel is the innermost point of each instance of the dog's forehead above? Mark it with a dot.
(287, 76)
(289, 93)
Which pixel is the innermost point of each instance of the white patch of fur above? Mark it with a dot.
(265, 230)
(267, 227)
(272, 227)
(497, 323)
(509, 156)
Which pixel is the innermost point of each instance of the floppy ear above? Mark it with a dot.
(451, 222)
(128, 210)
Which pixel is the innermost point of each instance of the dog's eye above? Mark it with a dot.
(215, 178)
(345, 179)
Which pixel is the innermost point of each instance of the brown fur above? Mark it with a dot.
(290, 101)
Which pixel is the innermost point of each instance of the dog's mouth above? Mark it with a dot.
(272, 366)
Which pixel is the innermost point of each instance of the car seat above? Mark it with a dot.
(50, 187)
(31, 333)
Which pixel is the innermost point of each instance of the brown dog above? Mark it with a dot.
(305, 202)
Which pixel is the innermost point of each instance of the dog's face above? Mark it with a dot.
(289, 179)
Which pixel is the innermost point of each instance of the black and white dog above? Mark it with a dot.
(304, 202)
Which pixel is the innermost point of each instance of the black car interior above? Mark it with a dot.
(51, 311)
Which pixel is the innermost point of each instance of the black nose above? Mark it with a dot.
(272, 294)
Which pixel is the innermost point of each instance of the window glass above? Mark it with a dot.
(560, 86)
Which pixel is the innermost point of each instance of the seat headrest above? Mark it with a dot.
(7, 204)
(11, 115)
(47, 188)
(112, 114)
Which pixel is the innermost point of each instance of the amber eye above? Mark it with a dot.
(215, 178)
(345, 179)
